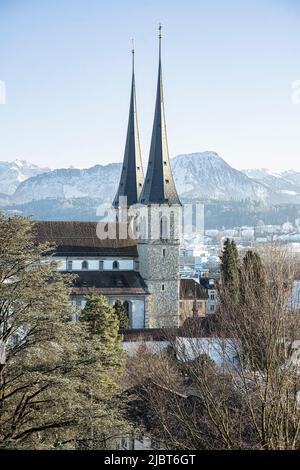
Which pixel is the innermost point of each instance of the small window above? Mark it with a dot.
(165, 163)
(84, 265)
(162, 287)
(164, 252)
(137, 167)
(167, 181)
(140, 185)
(69, 265)
(115, 265)
(212, 308)
(101, 265)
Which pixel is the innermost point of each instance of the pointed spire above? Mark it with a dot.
(159, 186)
(132, 176)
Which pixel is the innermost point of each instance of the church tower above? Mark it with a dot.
(132, 176)
(158, 243)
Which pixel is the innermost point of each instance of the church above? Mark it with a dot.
(142, 272)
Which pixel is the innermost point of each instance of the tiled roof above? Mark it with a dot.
(80, 238)
(108, 282)
(189, 289)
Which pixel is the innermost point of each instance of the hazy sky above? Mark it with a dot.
(228, 68)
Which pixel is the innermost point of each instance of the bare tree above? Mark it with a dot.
(246, 397)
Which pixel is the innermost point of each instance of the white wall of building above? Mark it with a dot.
(220, 351)
(138, 313)
(137, 310)
(93, 264)
(124, 264)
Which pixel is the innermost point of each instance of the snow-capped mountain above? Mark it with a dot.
(14, 173)
(207, 176)
(285, 185)
(197, 176)
(97, 182)
(292, 176)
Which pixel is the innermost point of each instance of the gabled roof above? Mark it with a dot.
(80, 239)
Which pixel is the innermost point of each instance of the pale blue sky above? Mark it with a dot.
(228, 66)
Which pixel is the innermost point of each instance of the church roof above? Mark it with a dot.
(192, 290)
(159, 186)
(109, 282)
(80, 239)
(132, 176)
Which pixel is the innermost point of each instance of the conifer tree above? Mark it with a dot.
(253, 274)
(57, 376)
(121, 314)
(230, 266)
(103, 327)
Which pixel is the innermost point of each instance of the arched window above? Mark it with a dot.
(84, 265)
(115, 265)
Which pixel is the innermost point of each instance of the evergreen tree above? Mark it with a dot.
(103, 327)
(57, 376)
(253, 274)
(255, 300)
(230, 266)
(121, 314)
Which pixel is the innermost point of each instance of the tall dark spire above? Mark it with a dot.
(132, 176)
(159, 186)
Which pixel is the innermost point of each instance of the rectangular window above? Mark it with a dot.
(212, 308)
(164, 252)
(162, 287)
(69, 265)
(101, 265)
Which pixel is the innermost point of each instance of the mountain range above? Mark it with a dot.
(198, 177)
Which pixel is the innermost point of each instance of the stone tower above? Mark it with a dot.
(132, 176)
(158, 243)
